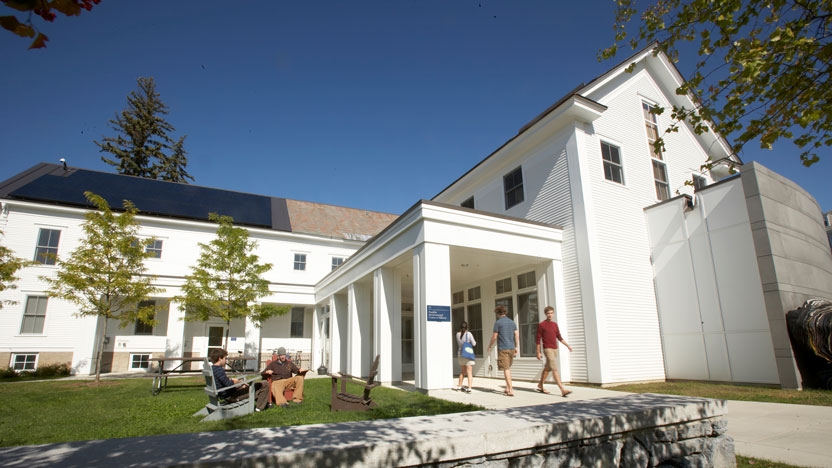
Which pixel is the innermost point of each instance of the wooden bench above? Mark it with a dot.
(343, 401)
(217, 408)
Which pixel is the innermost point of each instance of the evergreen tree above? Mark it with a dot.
(105, 275)
(9, 265)
(227, 281)
(142, 146)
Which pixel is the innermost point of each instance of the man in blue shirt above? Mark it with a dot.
(219, 358)
(507, 338)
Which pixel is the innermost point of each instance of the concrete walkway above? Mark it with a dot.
(794, 434)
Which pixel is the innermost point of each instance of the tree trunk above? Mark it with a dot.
(100, 353)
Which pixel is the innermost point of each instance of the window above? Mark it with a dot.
(652, 126)
(469, 203)
(300, 262)
(699, 183)
(528, 317)
(35, 314)
(513, 187)
(660, 177)
(612, 163)
(46, 251)
(508, 303)
(336, 262)
(503, 286)
(458, 297)
(475, 327)
(296, 328)
(24, 362)
(154, 249)
(139, 361)
(474, 293)
(141, 327)
(526, 280)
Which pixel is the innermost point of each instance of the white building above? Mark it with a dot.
(650, 280)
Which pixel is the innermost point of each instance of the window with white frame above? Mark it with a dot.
(513, 187)
(660, 178)
(474, 312)
(527, 315)
(469, 203)
(46, 251)
(143, 328)
(34, 315)
(458, 297)
(296, 326)
(651, 125)
(613, 170)
(337, 261)
(526, 280)
(474, 293)
(699, 183)
(300, 262)
(24, 362)
(139, 361)
(154, 249)
(503, 286)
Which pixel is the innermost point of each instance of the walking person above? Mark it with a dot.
(507, 338)
(548, 335)
(466, 360)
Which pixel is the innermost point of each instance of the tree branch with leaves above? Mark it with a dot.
(45, 9)
(764, 72)
(227, 281)
(9, 266)
(105, 275)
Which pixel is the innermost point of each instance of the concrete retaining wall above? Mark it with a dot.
(627, 431)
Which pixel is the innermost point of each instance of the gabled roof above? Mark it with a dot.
(65, 186)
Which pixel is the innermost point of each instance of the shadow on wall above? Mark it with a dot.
(810, 332)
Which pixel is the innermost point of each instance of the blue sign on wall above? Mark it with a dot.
(439, 313)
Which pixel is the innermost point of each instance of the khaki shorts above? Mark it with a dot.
(505, 358)
(551, 359)
(465, 361)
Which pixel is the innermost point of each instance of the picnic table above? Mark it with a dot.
(160, 377)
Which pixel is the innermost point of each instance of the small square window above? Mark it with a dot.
(46, 251)
(513, 187)
(24, 362)
(469, 203)
(336, 262)
(613, 171)
(474, 293)
(526, 280)
(503, 286)
(300, 262)
(458, 297)
(139, 361)
(699, 183)
(154, 249)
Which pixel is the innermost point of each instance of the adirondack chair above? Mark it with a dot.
(343, 401)
(217, 408)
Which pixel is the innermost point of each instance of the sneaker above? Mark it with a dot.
(458, 389)
(467, 389)
(284, 405)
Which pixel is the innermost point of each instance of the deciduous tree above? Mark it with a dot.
(9, 266)
(764, 71)
(227, 281)
(105, 276)
(143, 146)
(46, 10)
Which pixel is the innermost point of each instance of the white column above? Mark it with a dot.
(387, 323)
(315, 346)
(338, 337)
(175, 339)
(252, 345)
(433, 365)
(359, 328)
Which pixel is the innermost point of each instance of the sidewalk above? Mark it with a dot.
(793, 434)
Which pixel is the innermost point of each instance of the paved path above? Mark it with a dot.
(795, 434)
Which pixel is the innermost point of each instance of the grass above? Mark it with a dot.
(74, 410)
(733, 392)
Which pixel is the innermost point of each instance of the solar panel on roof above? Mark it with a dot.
(150, 196)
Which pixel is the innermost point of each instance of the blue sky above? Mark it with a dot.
(366, 104)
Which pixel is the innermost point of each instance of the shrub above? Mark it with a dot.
(52, 370)
(8, 373)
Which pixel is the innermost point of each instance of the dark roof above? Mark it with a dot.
(58, 185)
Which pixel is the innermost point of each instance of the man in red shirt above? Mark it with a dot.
(548, 334)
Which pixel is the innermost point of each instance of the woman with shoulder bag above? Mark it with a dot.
(466, 358)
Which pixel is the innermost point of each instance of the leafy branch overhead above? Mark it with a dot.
(764, 71)
(45, 9)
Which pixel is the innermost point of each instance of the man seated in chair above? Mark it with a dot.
(219, 358)
(285, 375)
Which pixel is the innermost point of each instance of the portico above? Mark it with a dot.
(393, 297)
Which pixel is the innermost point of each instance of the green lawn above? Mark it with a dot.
(71, 410)
(733, 392)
